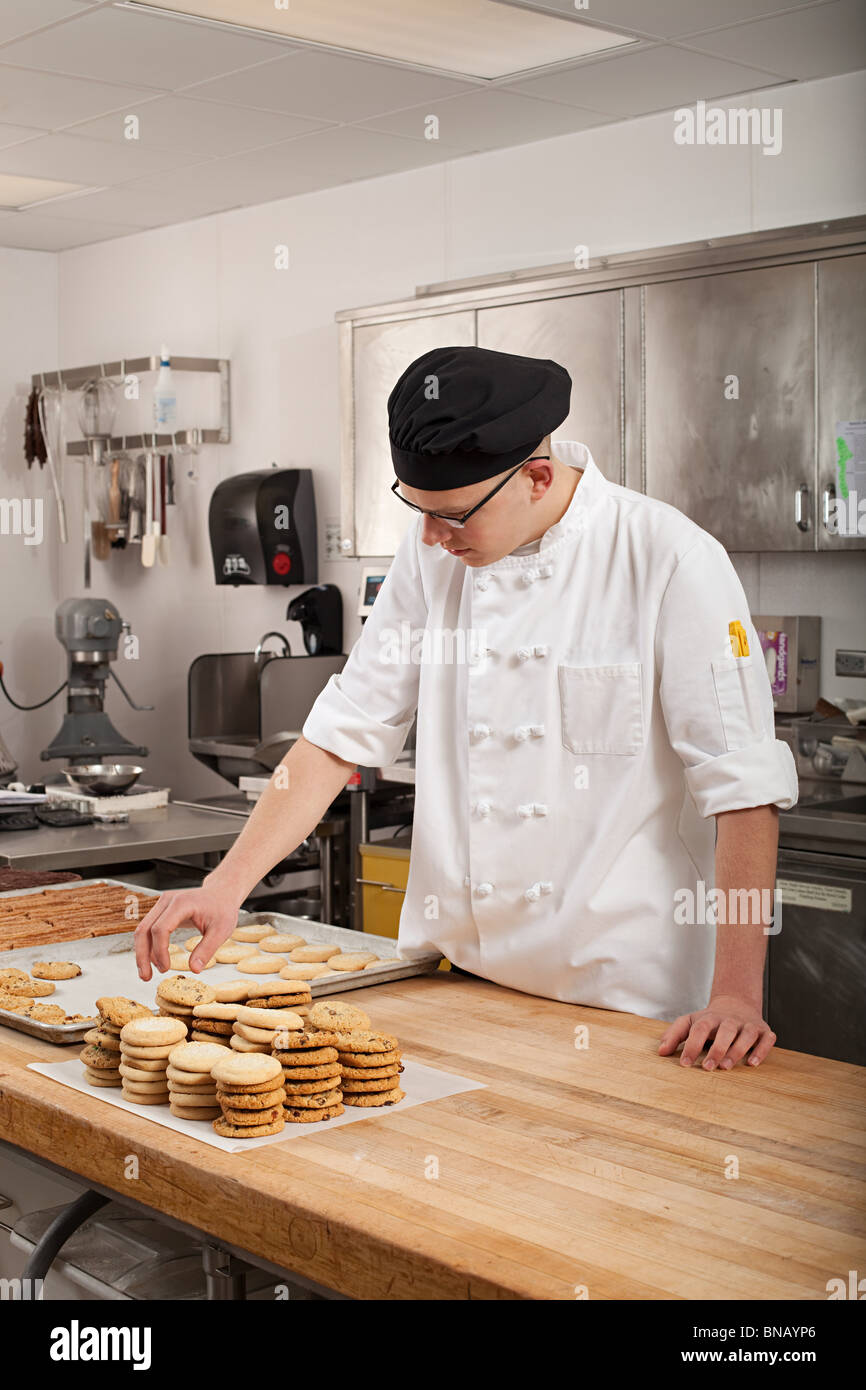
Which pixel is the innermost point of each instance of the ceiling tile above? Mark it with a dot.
(823, 42)
(200, 127)
(487, 120)
(340, 155)
(328, 87)
(34, 232)
(93, 162)
(47, 101)
(656, 79)
(19, 17)
(125, 208)
(14, 134)
(153, 50)
(664, 19)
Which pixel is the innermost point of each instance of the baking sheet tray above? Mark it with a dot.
(108, 965)
(421, 1083)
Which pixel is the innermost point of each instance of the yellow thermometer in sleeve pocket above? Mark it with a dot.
(739, 640)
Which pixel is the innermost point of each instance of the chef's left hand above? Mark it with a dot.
(735, 1024)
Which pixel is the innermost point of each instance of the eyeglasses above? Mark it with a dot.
(460, 522)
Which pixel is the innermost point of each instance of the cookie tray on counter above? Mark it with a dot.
(108, 965)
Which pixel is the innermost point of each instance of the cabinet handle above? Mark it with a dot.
(828, 496)
(374, 883)
(801, 510)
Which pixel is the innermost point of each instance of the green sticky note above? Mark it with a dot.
(843, 455)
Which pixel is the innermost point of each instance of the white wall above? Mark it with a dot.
(29, 574)
(209, 287)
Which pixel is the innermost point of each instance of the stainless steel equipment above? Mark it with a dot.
(711, 375)
(245, 709)
(816, 964)
(90, 630)
(235, 704)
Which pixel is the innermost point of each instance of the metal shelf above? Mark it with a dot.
(152, 441)
(74, 377)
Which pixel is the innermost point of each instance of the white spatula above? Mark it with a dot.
(148, 540)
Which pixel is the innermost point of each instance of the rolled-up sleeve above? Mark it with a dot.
(364, 713)
(718, 708)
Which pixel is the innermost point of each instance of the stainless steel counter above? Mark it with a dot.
(168, 830)
(813, 825)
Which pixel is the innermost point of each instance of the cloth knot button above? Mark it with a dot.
(483, 808)
(480, 730)
(482, 583)
(484, 890)
(521, 732)
(523, 653)
(529, 576)
(545, 571)
(533, 893)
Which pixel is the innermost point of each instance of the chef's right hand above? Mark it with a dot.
(208, 908)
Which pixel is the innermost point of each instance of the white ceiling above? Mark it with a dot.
(230, 118)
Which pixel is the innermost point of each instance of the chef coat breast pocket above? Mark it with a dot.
(602, 708)
(739, 699)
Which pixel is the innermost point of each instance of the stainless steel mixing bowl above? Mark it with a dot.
(103, 779)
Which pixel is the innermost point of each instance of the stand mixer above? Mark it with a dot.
(90, 629)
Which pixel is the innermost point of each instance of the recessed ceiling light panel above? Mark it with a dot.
(19, 191)
(470, 38)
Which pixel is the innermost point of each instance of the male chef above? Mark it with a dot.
(597, 774)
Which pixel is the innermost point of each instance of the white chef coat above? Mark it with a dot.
(566, 777)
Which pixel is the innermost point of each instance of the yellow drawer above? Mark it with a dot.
(384, 875)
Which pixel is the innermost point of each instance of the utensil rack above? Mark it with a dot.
(73, 378)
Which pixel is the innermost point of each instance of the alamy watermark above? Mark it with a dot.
(734, 125)
(22, 516)
(408, 646)
(735, 907)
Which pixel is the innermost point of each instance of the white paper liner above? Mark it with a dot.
(420, 1083)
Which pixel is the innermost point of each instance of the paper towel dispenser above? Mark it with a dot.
(263, 528)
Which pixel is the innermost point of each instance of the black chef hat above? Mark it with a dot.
(461, 414)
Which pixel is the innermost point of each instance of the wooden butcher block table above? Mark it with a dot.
(607, 1169)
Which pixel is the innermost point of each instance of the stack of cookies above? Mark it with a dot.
(370, 1066)
(333, 1016)
(311, 1075)
(250, 1093)
(212, 1023)
(178, 995)
(279, 994)
(101, 1054)
(254, 1029)
(370, 1063)
(144, 1047)
(191, 1087)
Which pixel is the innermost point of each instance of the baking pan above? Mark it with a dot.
(108, 965)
